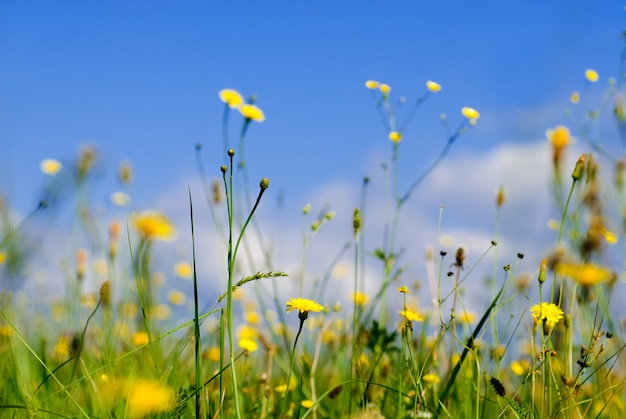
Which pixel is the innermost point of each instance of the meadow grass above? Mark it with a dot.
(120, 353)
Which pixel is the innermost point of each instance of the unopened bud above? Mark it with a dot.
(500, 197)
(105, 293)
(577, 174)
(231, 152)
(542, 271)
(223, 168)
(306, 209)
(356, 221)
(265, 183)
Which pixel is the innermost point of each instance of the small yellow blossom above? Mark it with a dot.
(50, 167)
(154, 225)
(213, 354)
(252, 317)
(248, 345)
(6, 330)
(140, 338)
(128, 310)
(162, 312)
(252, 112)
(547, 312)
(403, 289)
(395, 136)
(433, 86)
(592, 75)
(574, 97)
(609, 236)
(519, 367)
(466, 317)
(372, 84)
(231, 97)
(411, 315)
(559, 136)
(245, 331)
(303, 305)
(385, 89)
(307, 404)
(147, 397)
(586, 274)
(3, 258)
(431, 378)
(359, 298)
(176, 298)
(183, 270)
(470, 113)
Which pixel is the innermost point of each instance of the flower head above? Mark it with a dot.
(433, 86)
(592, 75)
(147, 397)
(586, 274)
(470, 113)
(183, 270)
(50, 167)
(372, 84)
(547, 313)
(252, 112)
(559, 136)
(410, 315)
(154, 225)
(231, 97)
(403, 289)
(395, 136)
(384, 89)
(359, 298)
(303, 305)
(248, 345)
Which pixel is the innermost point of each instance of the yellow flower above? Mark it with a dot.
(359, 298)
(248, 345)
(395, 136)
(303, 305)
(559, 136)
(547, 312)
(162, 312)
(245, 331)
(403, 289)
(50, 167)
(592, 75)
(6, 330)
(385, 89)
(183, 270)
(252, 317)
(154, 225)
(3, 258)
(307, 404)
(431, 378)
(411, 315)
(231, 97)
(433, 86)
(470, 113)
(574, 97)
(587, 274)
(372, 84)
(146, 397)
(252, 112)
(609, 236)
(176, 298)
(519, 367)
(213, 353)
(140, 338)
(466, 317)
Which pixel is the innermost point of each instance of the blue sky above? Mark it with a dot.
(140, 81)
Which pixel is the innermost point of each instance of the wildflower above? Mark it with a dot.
(384, 89)
(586, 274)
(183, 270)
(252, 317)
(591, 75)
(470, 113)
(247, 332)
(547, 313)
(609, 236)
(574, 97)
(213, 353)
(519, 367)
(3, 258)
(231, 97)
(252, 112)
(50, 167)
(125, 173)
(403, 289)
(431, 378)
(359, 298)
(154, 225)
(559, 136)
(6, 330)
(411, 315)
(140, 338)
(467, 317)
(307, 404)
(146, 397)
(395, 136)
(248, 345)
(372, 84)
(176, 298)
(162, 312)
(433, 86)
(303, 305)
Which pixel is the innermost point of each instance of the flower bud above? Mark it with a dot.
(577, 174)
(265, 183)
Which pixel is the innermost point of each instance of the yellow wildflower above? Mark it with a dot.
(252, 112)
(466, 317)
(154, 225)
(183, 270)
(609, 236)
(592, 75)
(252, 317)
(431, 378)
(146, 397)
(385, 89)
(248, 345)
(176, 298)
(303, 305)
(6, 330)
(403, 289)
(372, 84)
(3, 258)
(307, 404)
(395, 136)
(50, 167)
(231, 97)
(359, 298)
(559, 136)
(433, 86)
(140, 338)
(586, 274)
(547, 312)
(411, 315)
(245, 331)
(162, 312)
(519, 367)
(574, 97)
(213, 353)
(470, 113)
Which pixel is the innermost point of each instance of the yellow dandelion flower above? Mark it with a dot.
(433, 86)
(592, 75)
(176, 298)
(6, 330)
(609, 236)
(183, 270)
(559, 136)
(519, 367)
(303, 305)
(359, 298)
(587, 274)
(431, 378)
(140, 338)
(470, 113)
(231, 97)
(466, 317)
(252, 317)
(252, 112)
(403, 289)
(50, 167)
(372, 84)
(162, 312)
(307, 404)
(547, 312)
(384, 88)
(395, 136)
(574, 97)
(3, 258)
(88, 300)
(146, 397)
(213, 354)
(245, 331)
(248, 345)
(154, 225)
(411, 315)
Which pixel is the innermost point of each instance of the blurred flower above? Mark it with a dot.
(410, 315)
(252, 317)
(213, 354)
(50, 167)
(248, 345)
(372, 84)
(183, 270)
(431, 378)
(154, 225)
(559, 136)
(433, 86)
(519, 367)
(403, 289)
(574, 97)
(125, 173)
(609, 236)
(547, 312)
(147, 397)
(176, 298)
(592, 75)
(162, 312)
(307, 404)
(466, 317)
(3, 258)
(231, 97)
(470, 113)
(140, 338)
(385, 89)
(252, 112)
(586, 274)
(245, 331)
(303, 305)
(6, 330)
(359, 298)
(395, 136)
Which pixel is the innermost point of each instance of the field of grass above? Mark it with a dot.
(121, 352)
